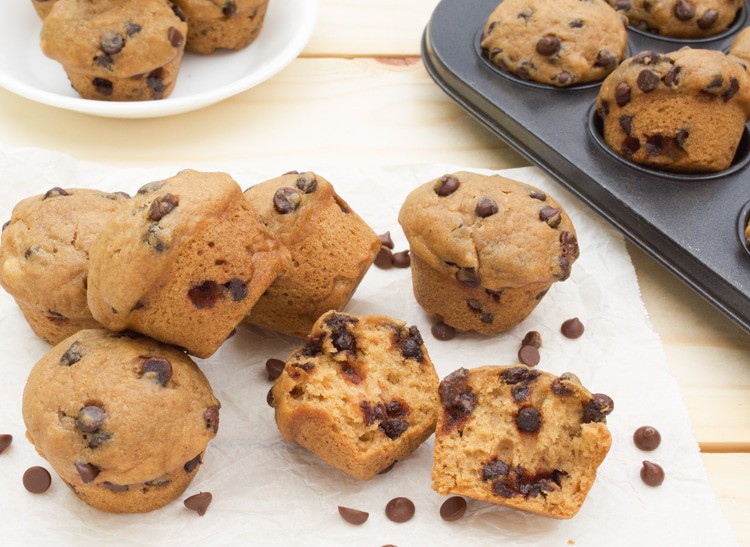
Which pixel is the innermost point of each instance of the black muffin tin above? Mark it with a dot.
(687, 222)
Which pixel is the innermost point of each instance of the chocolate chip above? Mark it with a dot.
(400, 509)
(307, 183)
(112, 43)
(159, 368)
(575, 23)
(286, 200)
(5, 440)
(524, 71)
(387, 469)
(274, 368)
(384, 258)
(605, 60)
(598, 408)
(647, 80)
(708, 19)
(175, 37)
(734, 87)
(630, 145)
(199, 502)
(441, 331)
(529, 420)
(155, 82)
(5, 225)
(457, 398)
(647, 437)
(529, 356)
(97, 438)
(269, 397)
(626, 123)
(112, 487)
(237, 289)
(410, 342)
(105, 61)
(532, 338)
(401, 259)
(102, 86)
(37, 480)
(681, 137)
(131, 29)
(622, 94)
(485, 208)
(446, 185)
(353, 516)
(192, 464)
(151, 187)
(453, 508)
(654, 145)
(55, 192)
(564, 77)
(386, 241)
(494, 469)
(548, 45)
(714, 85)
(468, 277)
(515, 375)
(211, 417)
(550, 215)
(162, 206)
(604, 108)
(205, 295)
(684, 10)
(525, 13)
(646, 58)
(72, 355)
(229, 9)
(572, 328)
(652, 474)
(87, 471)
(672, 77)
(90, 418)
(623, 5)
(536, 194)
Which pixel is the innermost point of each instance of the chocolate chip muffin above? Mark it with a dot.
(485, 249)
(360, 394)
(330, 245)
(683, 111)
(43, 7)
(519, 437)
(555, 42)
(122, 419)
(740, 47)
(222, 24)
(680, 18)
(117, 51)
(44, 257)
(183, 263)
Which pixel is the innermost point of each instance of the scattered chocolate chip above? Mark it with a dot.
(131, 29)
(229, 9)
(55, 192)
(162, 206)
(72, 355)
(441, 331)
(5, 440)
(532, 338)
(647, 437)
(159, 368)
(90, 418)
(353, 516)
(572, 328)
(707, 20)
(647, 80)
(286, 200)
(468, 277)
(112, 487)
(401, 259)
(529, 356)
(597, 409)
(199, 502)
(102, 86)
(626, 123)
(622, 94)
(211, 417)
(192, 464)
(652, 474)
(672, 77)
(529, 420)
(384, 258)
(400, 509)
(387, 469)
(37, 480)
(205, 295)
(550, 215)
(684, 10)
(237, 289)
(446, 185)
(175, 37)
(87, 471)
(486, 207)
(605, 60)
(548, 45)
(386, 241)
(535, 194)
(274, 368)
(453, 508)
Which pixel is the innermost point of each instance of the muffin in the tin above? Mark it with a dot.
(680, 18)
(43, 7)
(222, 24)
(682, 111)
(740, 47)
(555, 42)
(117, 51)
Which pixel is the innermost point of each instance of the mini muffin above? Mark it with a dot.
(183, 262)
(680, 18)
(123, 420)
(44, 257)
(222, 24)
(740, 47)
(520, 437)
(117, 51)
(485, 249)
(43, 7)
(555, 42)
(361, 394)
(331, 249)
(683, 111)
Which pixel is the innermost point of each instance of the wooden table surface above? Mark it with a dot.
(359, 95)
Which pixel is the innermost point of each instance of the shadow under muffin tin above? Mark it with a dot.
(687, 221)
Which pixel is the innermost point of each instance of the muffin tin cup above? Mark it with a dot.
(686, 221)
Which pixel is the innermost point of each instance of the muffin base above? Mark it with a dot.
(55, 329)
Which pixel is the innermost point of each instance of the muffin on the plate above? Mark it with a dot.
(222, 24)
(682, 111)
(43, 7)
(183, 262)
(520, 437)
(555, 42)
(330, 245)
(117, 51)
(360, 394)
(44, 257)
(123, 420)
(485, 249)
(680, 18)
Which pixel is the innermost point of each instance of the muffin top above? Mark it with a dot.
(680, 18)
(556, 42)
(217, 9)
(489, 231)
(110, 36)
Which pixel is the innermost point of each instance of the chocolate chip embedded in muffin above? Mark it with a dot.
(679, 18)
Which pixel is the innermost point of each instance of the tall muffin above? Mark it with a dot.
(183, 263)
(43, 7)
(123, 420)
(330, 245)
(680, 18)
(44, 257)
(485, 249)
(117, 51)
(520, 437)
(360, 394)
(683, 111)
(555, 42)
(222, 24)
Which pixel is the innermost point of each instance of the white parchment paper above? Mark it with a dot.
(267, 491)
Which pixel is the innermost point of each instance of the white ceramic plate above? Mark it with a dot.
(203, 80)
